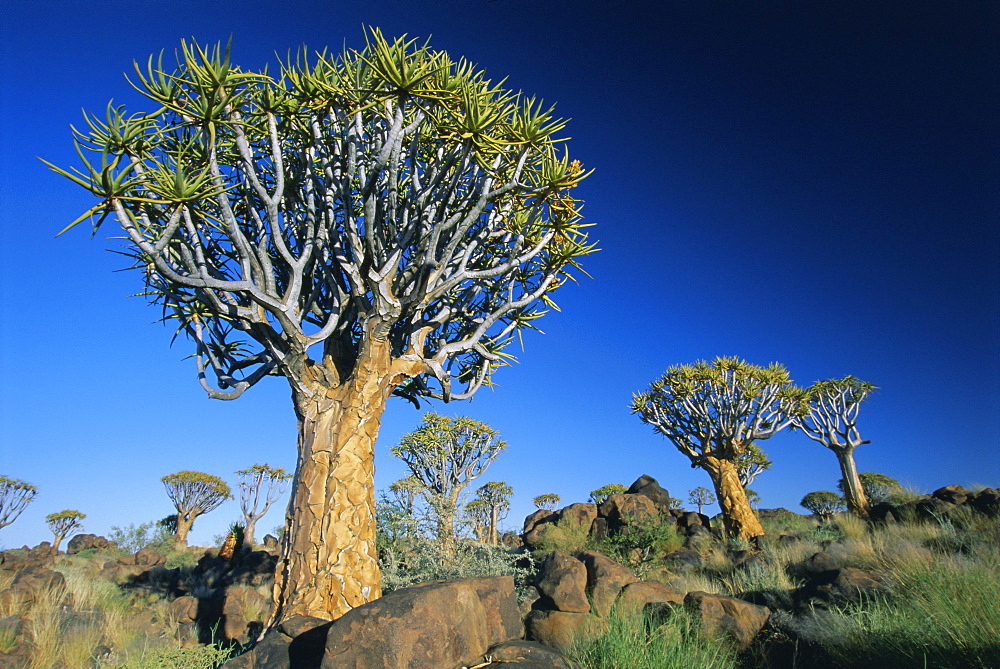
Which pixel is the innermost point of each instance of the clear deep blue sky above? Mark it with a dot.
(814, 183)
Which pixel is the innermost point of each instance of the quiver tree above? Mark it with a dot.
(548, 501)
(406, 492)
(15, 495)
(193, 494)
(495, 498)
(601, 494)
(830, 416)
(700, 497)
(272, 481)
(63, 524)
(377, 222)
(712, 412)
(446, 455)
(823, 503)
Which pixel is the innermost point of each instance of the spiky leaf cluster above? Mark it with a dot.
(718, 409)
(15, 495)
(823, 503)
(548, 501)
(830, 412)
(387, 192)
(195, 493)
(260, 478)
(601, 494)
(65, 522)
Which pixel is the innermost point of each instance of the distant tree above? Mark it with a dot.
(831, 418)
(548, 501)
(713, 412)
(252, 482)
(495, 497)
(15, 495)
(751, 463)
(878, 487)
(445, 455)
(753, 498)
(478, 513)
(823, 503)
(365, 223)
(193, 494)
(63, 524)
(406, 492)
(675, 502)
(700, 497)
(600, 495)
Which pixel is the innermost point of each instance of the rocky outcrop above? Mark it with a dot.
(83, 542)
(721, 616)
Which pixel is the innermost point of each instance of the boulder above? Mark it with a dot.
(184, 609)
(851, 586)
(684, 560)
(562, 580)
(30, 583)
(647, 486)
(297, 643)
(148, 557)
(271, 543)
(986, 501)
(82, 542)
(934, 508)
(953, 494)
(718, 615)
(561, 629)
(637, 596)
(520, 654)
(625, 509)
(538, 518)
(578, 516)
(440, 624)
(605, 580)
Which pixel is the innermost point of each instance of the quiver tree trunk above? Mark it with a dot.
(737, 514)
(248, 533)
(329, 563)
(184, 523)
(854, 493)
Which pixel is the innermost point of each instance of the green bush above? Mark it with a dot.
(147, 535)
(641, 542)
(192, 657)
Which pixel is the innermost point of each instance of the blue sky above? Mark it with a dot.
(806, 182)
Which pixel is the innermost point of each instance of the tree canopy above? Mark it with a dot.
(599, 495)
(15, 495)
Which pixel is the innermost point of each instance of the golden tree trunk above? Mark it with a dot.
(329, 563)
(854, 493)
(737, 514)
(184, 523)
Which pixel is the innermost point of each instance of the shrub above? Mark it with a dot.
(147, 535)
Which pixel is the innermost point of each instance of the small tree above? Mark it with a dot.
(445, 455)
(478, 513)
(600, 495)
(252, 482)
(64, 524)
(193, 494)
(15, 495)
(700, 497)
(495, 497)
(823, 503)
(713, 412)
(548, 501)
(754, 498)
(830, 417)
(878, 487)
(751, 464)
(405, 492)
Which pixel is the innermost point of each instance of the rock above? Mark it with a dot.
(18, 657)
(818, 567)
(986, 501)
(184, 609)
(684, 560)
(637, 596)
(562, 580)
(528, 602)
(16, 563)
(693, 519)
(538, 518)
(440, 624)
(578, 516)
(561, 629)
(503, 616)
(271, 543)
(953, 494)
(851, 586)
(527, 655)
(934, 508)
(30, 583)
(624, 509)
(646, 485)
(718, 615)
(605, 579)
(82, 542)
(297, 643)
(148, 557)
(884, 512)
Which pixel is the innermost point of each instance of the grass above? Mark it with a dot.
(666, 640)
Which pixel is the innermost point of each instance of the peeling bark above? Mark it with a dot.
(738, 515)
(854, 493)
(184, 523)
(329, 563)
